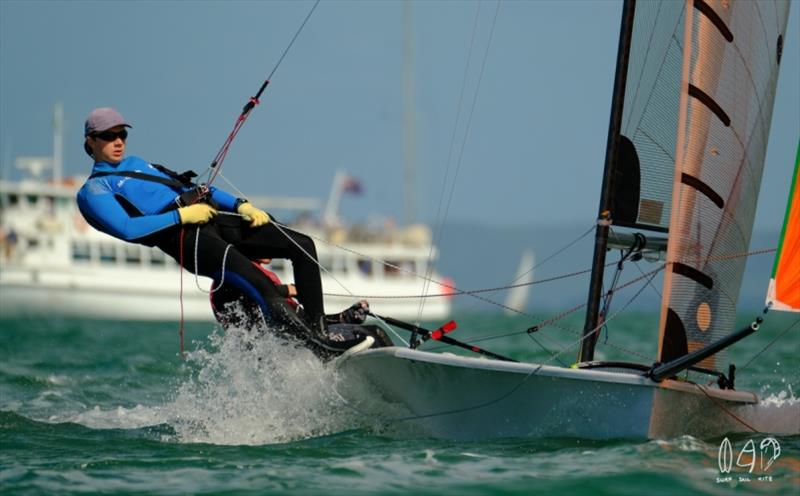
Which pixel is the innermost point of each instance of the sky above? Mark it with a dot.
(529, 149)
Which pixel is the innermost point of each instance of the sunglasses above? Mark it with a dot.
(111, 135)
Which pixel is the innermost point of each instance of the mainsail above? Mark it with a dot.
(731, 55)
(784, 285)
(645, 161)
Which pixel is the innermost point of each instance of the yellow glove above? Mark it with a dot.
(199, 213)
(257, 217)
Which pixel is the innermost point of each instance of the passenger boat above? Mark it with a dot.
(53, 263)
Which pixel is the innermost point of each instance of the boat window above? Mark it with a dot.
(133, 255)
(81, 251)
(339, 265)
(32, 199)
(326, 262)
(157, 257)
(365, 266)
(33, 243)
(108, 254)
(13, 199)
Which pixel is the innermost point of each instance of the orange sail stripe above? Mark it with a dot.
(786, 276)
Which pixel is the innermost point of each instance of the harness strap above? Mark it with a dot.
(175, 180)
(174, 183)
(181, 182)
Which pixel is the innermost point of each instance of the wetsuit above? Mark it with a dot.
(144, 211)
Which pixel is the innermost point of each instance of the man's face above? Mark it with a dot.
(108, 146)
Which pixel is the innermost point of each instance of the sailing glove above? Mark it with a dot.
(257, 217)
(199, 213)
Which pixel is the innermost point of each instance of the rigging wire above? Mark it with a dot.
(774, 340)
(440, 225)
(216, 164)
(512, 285)
(281, 228)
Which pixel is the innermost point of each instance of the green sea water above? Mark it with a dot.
(95, 407)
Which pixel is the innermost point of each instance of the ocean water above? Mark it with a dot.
(89, 407)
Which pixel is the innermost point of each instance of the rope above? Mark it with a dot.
(281, 227)
(462, 292)
(180, 296)
(196, 270)
(722, 407)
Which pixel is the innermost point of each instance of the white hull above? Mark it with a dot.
(123, 294)
(464, 398)
(55, 264)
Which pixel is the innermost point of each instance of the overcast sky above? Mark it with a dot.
(181, 71)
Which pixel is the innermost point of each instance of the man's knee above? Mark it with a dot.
(307, 245)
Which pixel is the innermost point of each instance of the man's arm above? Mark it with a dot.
(225, 200)
(102, 210)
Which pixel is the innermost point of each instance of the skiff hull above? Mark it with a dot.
(465, 398)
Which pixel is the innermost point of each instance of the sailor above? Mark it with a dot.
(140, 202)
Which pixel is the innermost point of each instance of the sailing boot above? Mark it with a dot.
(324, 342)
(336, 338)
(355, 314)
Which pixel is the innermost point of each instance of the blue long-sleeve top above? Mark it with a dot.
(101, 200)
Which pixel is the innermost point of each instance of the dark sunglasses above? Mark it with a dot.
(111, 135)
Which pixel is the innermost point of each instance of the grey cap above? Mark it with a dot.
(103, 119)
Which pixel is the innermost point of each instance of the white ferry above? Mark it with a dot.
(53, 263)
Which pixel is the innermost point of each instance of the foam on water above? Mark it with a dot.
(240, 390)
(256, 391)
(778, 413)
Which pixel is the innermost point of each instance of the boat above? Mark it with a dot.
(53, 263)
(517, 297)
(691, 110)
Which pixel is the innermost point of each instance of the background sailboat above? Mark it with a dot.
(517, 297)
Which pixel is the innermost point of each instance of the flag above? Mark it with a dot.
(351, 185)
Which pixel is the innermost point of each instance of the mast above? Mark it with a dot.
(58, 142)
(605, 215)
(409, 114)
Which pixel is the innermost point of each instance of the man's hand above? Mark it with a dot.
(257, 217)
(199, 213)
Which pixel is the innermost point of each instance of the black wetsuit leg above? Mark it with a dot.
(238, 269)
(268, 241)
(255, 243)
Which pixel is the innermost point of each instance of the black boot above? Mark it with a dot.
(355, 314)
